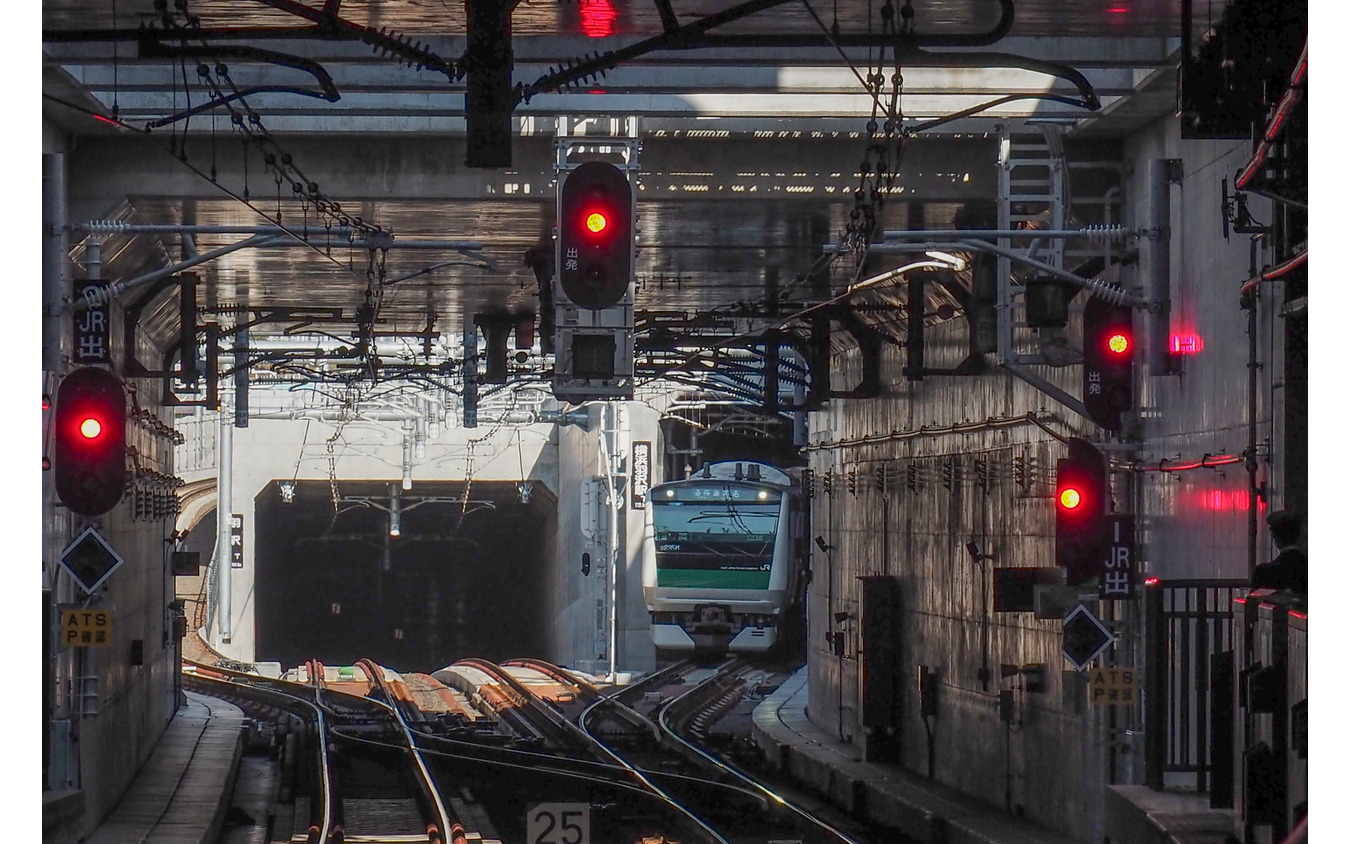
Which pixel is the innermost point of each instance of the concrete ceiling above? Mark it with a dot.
(749, 161)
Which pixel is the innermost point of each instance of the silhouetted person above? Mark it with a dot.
(1289, 570)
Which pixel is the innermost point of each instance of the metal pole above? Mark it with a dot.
(224, 508)
(610, 437)
(93, 260)
(115, 290)
(1155, 259)
(54, 251)
(1103, 231)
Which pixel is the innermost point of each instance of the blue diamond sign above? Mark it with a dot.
(1085, 637)
(90, 560)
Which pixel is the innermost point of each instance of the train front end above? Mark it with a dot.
(717, 561)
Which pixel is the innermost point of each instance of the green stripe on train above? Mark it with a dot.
(706, 579)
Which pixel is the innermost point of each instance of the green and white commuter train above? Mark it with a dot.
(721, 558)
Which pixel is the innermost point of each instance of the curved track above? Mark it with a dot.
(350, 728)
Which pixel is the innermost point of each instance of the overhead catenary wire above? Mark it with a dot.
(223, 189)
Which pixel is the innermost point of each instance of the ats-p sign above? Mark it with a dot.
(86, 628)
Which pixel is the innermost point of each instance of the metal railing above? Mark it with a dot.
(1187, 623)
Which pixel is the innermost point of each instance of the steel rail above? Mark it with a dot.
(444, 824)
(695, 695)
(589, 770)
(322, 826)
(632, 715)
(594, 743)
(637, 773)
(593, 694)
(540, 718)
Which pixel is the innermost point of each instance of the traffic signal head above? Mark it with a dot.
(90, 441)
(1108, 358)
(1081, 494)
(595, 235)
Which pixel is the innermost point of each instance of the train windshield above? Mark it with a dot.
(717, 536)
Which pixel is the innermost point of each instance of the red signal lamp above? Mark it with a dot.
(1070, 498)
(89, 452)
(1118, 343)
(596, 222)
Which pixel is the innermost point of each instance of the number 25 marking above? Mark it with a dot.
(572, 833)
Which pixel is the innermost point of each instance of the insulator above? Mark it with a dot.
(1108, 292)
(105, 227)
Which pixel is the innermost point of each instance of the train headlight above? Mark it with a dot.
(763, 494)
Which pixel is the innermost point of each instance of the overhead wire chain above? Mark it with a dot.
(347, 412)
(885, 134)
(276, 160)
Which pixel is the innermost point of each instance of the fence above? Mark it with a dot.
(1188, 625)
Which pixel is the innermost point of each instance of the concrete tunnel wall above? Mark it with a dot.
(560, 458)
(968, 487)
(268, 450)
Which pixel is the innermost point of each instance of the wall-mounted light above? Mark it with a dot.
(287, 492)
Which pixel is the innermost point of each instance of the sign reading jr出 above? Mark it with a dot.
(1118, 573)
(91, 325)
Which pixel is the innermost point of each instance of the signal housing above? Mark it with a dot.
(90, 472)
(1108, 362)
(1081, 531)
(595, 261)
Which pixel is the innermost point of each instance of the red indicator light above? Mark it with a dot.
(596, 222)
(1070, 498)
(90, 428)
(1118, 343)
(597, 18)
(1149, 581)
(1186, 344)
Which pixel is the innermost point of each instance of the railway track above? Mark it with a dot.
(359, 772)
(665, 752)
(384, 771)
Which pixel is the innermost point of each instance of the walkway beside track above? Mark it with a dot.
(181, 793)
(886, 794)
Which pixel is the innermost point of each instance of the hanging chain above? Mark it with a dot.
(885, 134)
(248, 123)
(350, 402)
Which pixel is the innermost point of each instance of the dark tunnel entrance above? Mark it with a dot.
(459, 580)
